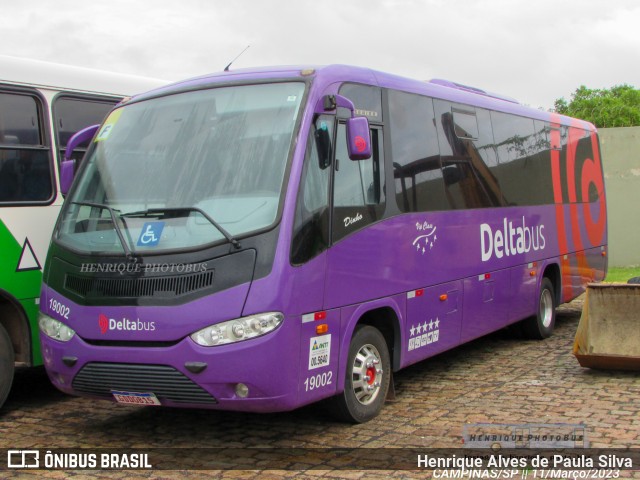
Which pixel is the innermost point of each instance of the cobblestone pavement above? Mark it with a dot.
(497, 379)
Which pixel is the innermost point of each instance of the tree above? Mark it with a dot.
(618, 106)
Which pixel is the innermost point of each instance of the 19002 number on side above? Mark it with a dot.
(318, 381)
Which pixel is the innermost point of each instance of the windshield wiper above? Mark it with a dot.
(166, 212)
(114, 220)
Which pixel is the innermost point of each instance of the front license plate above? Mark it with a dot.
(135, 398)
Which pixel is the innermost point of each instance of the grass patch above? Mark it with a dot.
(622, 274)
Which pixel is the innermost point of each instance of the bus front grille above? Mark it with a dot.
(110, 287)
(167, 383)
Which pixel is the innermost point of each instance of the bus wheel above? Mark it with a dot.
(6, 364)
(541, 325)
(367, 377)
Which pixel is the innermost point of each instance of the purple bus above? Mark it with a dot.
(259, 240)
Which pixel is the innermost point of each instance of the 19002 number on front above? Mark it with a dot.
(59, 308)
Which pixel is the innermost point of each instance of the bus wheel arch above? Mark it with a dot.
(13, 342)
(371, 353)
(14, 321)
(385, 320)
(541, 325)
(367, 377)
(552, 272)
(6, 364)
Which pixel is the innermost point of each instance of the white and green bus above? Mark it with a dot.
(41, 106)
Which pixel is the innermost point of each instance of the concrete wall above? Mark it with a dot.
(621, 163)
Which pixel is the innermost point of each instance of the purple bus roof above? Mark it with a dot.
(323, 76)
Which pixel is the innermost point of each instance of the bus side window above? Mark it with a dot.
(468, 180)
(25, 167)
(358, 190)
(311, 227)
(524, 160)
(419, 183)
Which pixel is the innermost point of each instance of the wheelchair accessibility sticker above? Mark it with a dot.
(150, 234)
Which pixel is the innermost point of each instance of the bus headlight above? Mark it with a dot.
(238, 330)
(54, 328)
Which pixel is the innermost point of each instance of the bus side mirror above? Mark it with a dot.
(67, 166)
(358, 138)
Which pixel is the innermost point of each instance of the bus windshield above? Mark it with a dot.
(184, 171)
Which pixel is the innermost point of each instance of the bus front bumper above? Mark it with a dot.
(254, 376)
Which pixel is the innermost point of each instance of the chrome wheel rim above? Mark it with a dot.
(367, 374)
(546, 308)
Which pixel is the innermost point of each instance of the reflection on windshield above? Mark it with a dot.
(218, 153)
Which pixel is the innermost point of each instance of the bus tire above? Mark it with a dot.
(542, 324)
(6, 364)
(367, 377)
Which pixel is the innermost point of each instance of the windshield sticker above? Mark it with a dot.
(106, 129)
(427, 237)
(150, 234)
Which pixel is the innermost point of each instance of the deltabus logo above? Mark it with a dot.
(107, 324)
(514, 238)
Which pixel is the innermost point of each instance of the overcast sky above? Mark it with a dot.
(533, 50)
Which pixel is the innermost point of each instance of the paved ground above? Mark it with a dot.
(497, 379)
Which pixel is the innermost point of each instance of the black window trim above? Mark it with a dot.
(44, 121)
